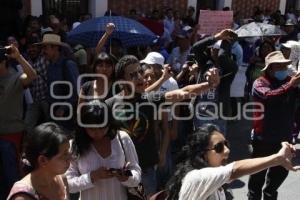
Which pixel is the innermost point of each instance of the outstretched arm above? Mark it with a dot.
(252, 166)
(190, 91)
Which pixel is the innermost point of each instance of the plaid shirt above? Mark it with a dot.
(39, 87)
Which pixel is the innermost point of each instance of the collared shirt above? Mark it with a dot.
(39, 87)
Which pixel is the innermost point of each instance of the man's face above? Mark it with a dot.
(157, 69)
(49, 51)
(133, 74)
(277, 67)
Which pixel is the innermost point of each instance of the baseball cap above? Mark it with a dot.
(154, 58)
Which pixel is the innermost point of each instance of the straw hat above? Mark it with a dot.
(275, 57)
(52, 39)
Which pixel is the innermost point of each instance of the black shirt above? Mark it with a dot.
(136, 116)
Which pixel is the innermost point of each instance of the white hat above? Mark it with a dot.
(275, 57)
(291, 43)
(154, 58)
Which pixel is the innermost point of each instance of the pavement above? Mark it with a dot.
(239, 137)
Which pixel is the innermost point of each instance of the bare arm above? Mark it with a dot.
(29, 73)
(252, 166)
(165, 76)
(109, 29)
(181, 74)
(193, 90)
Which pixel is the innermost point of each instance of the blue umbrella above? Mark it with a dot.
(128, 31)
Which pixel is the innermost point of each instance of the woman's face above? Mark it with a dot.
(59, 163)
(104, 68)
(217, 153)
(149, 77)
(96, 133)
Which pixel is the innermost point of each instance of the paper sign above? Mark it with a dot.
(213, 21)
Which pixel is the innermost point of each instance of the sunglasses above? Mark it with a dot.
(219, 147)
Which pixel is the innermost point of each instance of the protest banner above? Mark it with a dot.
(213, 21)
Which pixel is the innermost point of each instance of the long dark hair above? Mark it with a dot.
(104, 58)
(45, 140)
(191, 157)
(91, 114)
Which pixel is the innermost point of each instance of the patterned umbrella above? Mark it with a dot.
(128, 31)
(255, 29)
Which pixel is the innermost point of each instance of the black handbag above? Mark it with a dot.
(133, 193)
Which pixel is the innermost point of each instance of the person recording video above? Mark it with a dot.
(12, 126)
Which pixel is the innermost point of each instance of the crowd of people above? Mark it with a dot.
(93, 123)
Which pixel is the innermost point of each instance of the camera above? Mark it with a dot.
(3, 52)
(120, 172)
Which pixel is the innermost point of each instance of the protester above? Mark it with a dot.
(38, 110)
(291, 50)
(203, 171)
(275, 94)
(48, 151)
(61, 68)
(179, 54)
(255, 67)
(155, 61)
(98, 151)
(143, 99)
(12, 126)
(215, 51)
(100, 88)
(142, 133)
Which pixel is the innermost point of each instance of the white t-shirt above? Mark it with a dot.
(205, 184)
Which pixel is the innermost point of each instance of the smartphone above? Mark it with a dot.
(120, 172)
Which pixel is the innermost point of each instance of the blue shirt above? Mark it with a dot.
(62, 70)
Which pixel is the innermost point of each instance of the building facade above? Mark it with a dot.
(99, 7)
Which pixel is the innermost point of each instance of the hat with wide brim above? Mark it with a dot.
(52, 39)
(291, 43)
(275, 57)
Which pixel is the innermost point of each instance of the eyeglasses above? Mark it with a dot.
(219, 147)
